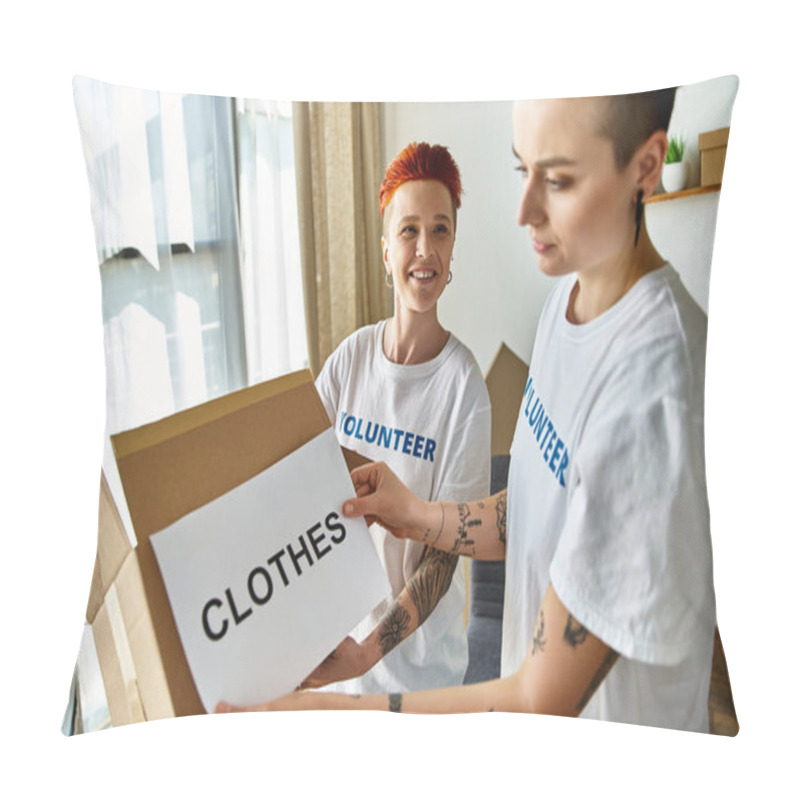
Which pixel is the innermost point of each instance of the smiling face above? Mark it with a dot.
(419, 234)
(577, 204)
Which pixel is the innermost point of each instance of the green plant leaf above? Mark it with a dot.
(675, 149)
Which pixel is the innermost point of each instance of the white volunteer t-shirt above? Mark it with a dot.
(431, 423)
(607, 498)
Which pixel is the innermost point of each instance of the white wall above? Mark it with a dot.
(497, 291)
(683, 229)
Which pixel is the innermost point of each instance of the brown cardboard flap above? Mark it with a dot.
(149, 659)
(116, 662)
(198, 416)
(505, 381)
(112, 548)
(110, 668)
(172, 467)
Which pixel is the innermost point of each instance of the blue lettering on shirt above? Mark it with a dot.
(395, 439)
(553, 448)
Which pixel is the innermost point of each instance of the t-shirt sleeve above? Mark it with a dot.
(467, 457)
(328, 383)
(633, 563)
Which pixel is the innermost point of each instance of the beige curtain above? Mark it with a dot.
(338, 167)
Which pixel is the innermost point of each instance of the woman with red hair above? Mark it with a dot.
(407, 392)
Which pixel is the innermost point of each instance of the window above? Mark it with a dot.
(195, 216)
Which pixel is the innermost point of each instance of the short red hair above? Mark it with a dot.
(421, 161)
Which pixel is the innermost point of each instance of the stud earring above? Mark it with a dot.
(639, 215)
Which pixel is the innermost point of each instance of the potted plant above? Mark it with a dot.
(675, 174)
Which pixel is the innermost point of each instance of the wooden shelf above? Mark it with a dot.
(657, 198)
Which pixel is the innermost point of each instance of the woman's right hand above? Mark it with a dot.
(383, 498)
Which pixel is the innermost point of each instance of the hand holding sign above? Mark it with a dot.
(383, 498)
(267, 579)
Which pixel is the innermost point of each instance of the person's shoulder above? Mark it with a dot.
(661, 354)
(358, 342)
(689, 317)
(659, 320)
(555, 302)
(364, 334)
(464, 370)
(671, 308)
(350, 358)
(462, 358)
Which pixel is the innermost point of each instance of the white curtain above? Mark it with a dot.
(272, 288)
(135, 155)
(162, 181)
(339, 173)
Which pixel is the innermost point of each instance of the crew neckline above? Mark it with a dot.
(610, 315)
(410, 370)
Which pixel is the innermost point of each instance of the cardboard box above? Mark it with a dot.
(134, 675)
(112, 548)
(168, 469)
(505, 381)
(713, 147)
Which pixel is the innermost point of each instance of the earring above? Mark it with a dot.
(450, 277)
(639, 215)
(389, 280)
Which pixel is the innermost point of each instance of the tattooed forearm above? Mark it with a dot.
(538, 638)
(501, 515)
(396, 702)
(574, 633)
(393, 629)
(426, 587)
(464, 544)
(599, 677)
(428, 537)
(431, 581)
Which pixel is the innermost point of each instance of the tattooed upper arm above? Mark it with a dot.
(598, 677)
(576, 635)
(538, 638)
(566, 663)
(574, 632)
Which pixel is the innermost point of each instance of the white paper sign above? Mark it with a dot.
(266, 580)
